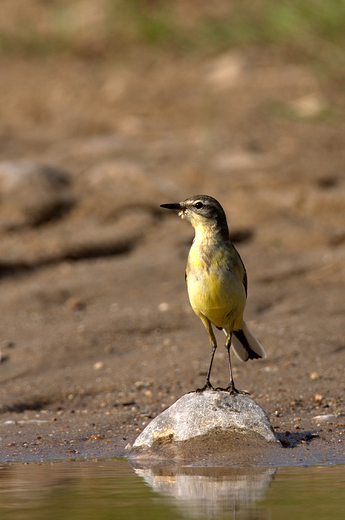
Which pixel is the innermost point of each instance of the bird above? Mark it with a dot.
(216, 281)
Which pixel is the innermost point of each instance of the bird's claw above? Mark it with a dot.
(207, 386)
(232, 390)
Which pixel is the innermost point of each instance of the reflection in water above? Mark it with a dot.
(211, 492)
(112, 490)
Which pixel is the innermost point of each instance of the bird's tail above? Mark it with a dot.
(245, 344)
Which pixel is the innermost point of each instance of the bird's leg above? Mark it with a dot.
(207, 382)
(213, 342)
(231, 386)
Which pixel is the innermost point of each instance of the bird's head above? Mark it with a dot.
(202, 211)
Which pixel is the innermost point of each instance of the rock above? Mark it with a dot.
(206, 415)
(31, 193)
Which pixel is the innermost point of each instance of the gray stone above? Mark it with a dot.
(206, 414)
(32, 193)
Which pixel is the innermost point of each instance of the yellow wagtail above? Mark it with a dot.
(217, 280)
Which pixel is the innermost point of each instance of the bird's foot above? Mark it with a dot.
(232, 390)
(207, 386)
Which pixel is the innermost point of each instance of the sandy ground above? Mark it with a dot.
(97, 335)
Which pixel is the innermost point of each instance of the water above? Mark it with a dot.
(113, 490)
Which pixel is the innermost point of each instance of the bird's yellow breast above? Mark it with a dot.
(215, 283)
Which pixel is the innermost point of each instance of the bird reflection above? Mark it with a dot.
(210, 492)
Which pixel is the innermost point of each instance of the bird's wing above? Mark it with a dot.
(244, 273)
(245, 279)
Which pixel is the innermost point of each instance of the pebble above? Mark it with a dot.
(163, 307)
(75, 303)
(324, 418)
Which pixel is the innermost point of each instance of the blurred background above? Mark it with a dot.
(129, 97)
(109, 108)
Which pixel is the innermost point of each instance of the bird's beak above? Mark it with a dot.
(177, 206)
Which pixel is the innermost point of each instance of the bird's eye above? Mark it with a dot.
(199, 205)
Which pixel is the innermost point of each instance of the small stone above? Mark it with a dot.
(98, 365)
(314, 376)
(163, 307)
(318, 398)
(75, 303)
(206, 414)
(325, 418)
